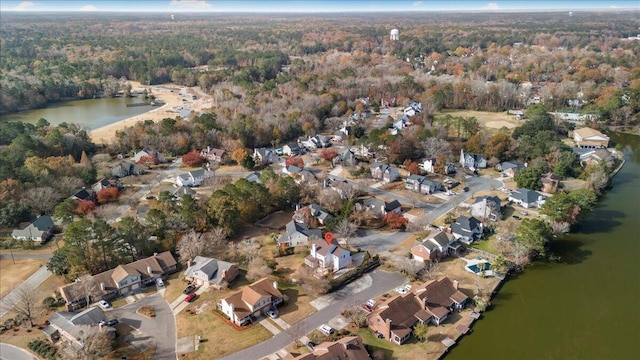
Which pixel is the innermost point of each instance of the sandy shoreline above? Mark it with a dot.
(106, 134)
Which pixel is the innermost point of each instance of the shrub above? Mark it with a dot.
(192, 158)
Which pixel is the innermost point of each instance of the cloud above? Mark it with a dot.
(25, 5)
(194, 4)
(613, 7)
(88, 8)
(418, 3)
(493, 6)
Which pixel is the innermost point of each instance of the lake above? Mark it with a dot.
(587, 306)
(92, 113)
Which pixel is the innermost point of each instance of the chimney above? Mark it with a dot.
(275, 284)
(149, 271)
(387, 329)
(313, 249)
(456, 284)
(102, 286)
(155, 254)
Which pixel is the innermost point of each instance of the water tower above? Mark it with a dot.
(395, 34)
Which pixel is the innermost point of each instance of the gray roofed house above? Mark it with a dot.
(467, 229)
(148, 152)
(422, 184)
(254, 176)
(192, 178)
(509, 168)
(434, 247)
(73, 326)
(124, 169)
(487, 208)
(380, 207)
(316, 211)
(527, 198)
(298, 234)
(472, 161)
(84, 194)
(347, 157)
(264, 156)
(104, 184)
(384, 172)
(209, 272)
(182, 191)
(38, 230)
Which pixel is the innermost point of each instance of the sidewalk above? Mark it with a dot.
(32, 281)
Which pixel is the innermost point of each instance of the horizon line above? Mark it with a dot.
(323, 12)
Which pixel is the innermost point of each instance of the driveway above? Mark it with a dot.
(380, 282)
(10, 352)
(159, 331)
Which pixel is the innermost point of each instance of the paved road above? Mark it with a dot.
(27, 256)
(32, 281)
(160, 330)
(381, 282)
(10, 352)
(380, 241)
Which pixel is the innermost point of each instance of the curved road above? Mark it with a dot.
(10, 352)
(381, 282)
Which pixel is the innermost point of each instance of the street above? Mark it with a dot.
(10, 352)
(381, 282)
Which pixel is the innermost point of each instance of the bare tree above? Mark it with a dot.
(431, 270)
(354, 313)
(105, 211)
(41, 199)
(191, 245)
(312, 284)
(96, 344)
(215, 241)
(432, 148)
(24, 304)
(258, 269)
(86, 286)
(347, 229)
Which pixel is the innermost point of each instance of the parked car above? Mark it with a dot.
(272, 314)
(150, 197)
(371, 303)
(190, 297)
(111, 322)
(326, 329)
(311, 345)
(401, 290)
(104, 305)
(465, 189)
(189, 289)
(159, 282)
(516, 217)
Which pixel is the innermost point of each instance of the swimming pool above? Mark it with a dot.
(476, 268)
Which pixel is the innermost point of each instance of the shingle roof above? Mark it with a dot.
(525, 195)
(250, 294)
(464, 224)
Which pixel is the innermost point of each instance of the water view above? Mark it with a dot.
(92, 113)
(585, 306)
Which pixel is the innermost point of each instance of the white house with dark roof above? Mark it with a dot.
(297, 234)
(192, 178)
(384, 172)
(264, 156)
(210, 272)
(380, 207)
(148, 152)
(527, 198)
(487, 208)
(40, 229)
(472, 161)
(327, 256)
(467, 229)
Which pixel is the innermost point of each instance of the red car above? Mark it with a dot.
(366, 308)
(190, 297)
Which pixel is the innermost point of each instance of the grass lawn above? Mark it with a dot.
(297, 306)
(381, 348)
(487, 245)
(13, 274)
(491, 120)
(218, 338)
(174, 285)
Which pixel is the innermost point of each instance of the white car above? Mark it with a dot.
(104, 305)
(272, 314)
(401, 290)
(326, 329)
(371, 303)
(159, 282)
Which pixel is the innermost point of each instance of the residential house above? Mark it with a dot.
(315, 211)
(388, 102)
(121, 280)
(422, 185)
(317, 141)
(346, 348)
(435, 247)
(364, 101)
(399, 124)
(487, 208)
(297, 234)
(264, 156)
(253, 300)
(590, 138)
(551, 182)
(509, 168)
(327, 257)
(298, 174)
(141, 214)
(413, 108)
(253, 176)
(441, 297)
(192, 178)
(429, 165)
(472, 161)
(384, 172)
(40, 229)
(214, 155)
(104, 184)
(74, 327)
(210, 273)
(124, 169)
(339, 185)
(293, 149)
(595, 156)
(83, 195)
(346, 158)
(527, 198)
(380, 207)
(433, 301)
(467, 229)
(148, 152)
(182, 191)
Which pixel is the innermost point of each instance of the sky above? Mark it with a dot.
(310, 6)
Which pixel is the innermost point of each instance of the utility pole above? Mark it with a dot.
(11, 251)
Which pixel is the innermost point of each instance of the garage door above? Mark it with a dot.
(135, 286)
